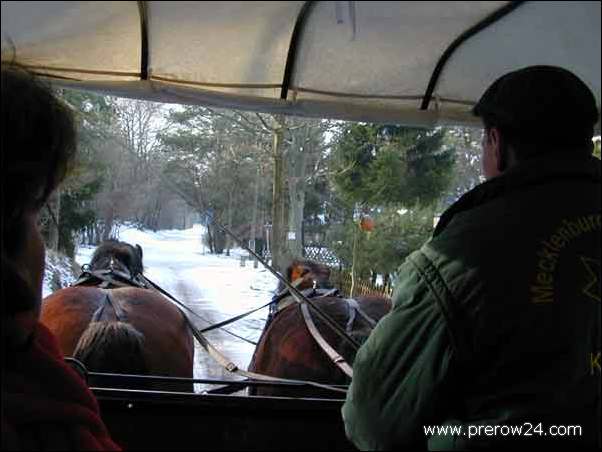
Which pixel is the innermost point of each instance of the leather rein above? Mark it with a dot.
(353, 308)
(114, 278)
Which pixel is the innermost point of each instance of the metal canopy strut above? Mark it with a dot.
(294, 45)
(143, 10)
(489, 20)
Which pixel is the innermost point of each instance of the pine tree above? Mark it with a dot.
(94, 116)
(396, 175)
(391, 165)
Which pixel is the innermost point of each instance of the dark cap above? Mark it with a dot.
(540, 99)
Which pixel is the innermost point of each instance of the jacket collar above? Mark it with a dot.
(533, 172)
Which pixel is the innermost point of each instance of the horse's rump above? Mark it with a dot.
(288, 350)
(152, 338)
(113, 347)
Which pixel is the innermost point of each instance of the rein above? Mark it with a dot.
(353, 307)
(294, 292)
(120, 279)
(117, 279)
(220, 358)
(108, 277)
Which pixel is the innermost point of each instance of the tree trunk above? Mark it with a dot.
(353, 262)
(210, 240)
(108, 224)
(255, 209)
(54, 208)
(297, 176)
(230, 207)
(297, 204)
(278, 198)
(95, 233)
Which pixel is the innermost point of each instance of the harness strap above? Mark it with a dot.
(98, 313)
(108, 300)
(111, 277)
(182, 306)
(119, 312)
(207, 346)
(356, 307)
(105, 284)
(234, 319)
(284, 302)
(351, 318)
(353, 308)
(282, 299)
(221, 359)
(331, 352)
(233, 368)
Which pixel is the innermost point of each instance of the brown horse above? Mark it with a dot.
(116, 328)
(286, 348)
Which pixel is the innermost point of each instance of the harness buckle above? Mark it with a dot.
(231, 367)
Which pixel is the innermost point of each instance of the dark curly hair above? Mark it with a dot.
(38, 145)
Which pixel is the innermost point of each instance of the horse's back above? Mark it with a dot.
(169, 346)
(375, 306)
(164, 327)
(67, 313)
(288, 350)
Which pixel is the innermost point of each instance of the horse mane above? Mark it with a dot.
(126, 254)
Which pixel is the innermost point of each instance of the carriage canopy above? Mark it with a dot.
(415, 63)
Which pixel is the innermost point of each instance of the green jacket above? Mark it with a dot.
(496, 321)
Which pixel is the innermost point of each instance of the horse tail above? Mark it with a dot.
(116, 348)
(112, 346)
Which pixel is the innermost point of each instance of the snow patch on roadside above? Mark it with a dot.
(60, 272)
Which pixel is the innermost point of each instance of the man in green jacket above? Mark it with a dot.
(494, 337)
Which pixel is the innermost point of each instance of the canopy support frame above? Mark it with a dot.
(291, 56)
(472, 31)
(143, 11)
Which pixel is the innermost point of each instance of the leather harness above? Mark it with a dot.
(114, 278)
(353, 308)
(108, 279)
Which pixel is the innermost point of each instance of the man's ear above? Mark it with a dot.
(499, 149)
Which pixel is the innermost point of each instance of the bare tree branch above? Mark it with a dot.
(265, 125)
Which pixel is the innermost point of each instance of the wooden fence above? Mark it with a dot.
(342, 280)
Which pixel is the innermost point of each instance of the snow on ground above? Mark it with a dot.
(58, 273)
(214, 286)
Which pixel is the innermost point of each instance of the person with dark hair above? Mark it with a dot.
(45, 403)
(494, 337)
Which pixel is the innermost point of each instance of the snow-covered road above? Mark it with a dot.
(216, 287)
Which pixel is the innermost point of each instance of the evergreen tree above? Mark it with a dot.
(395, 175)
(391, 165)
(76, 212)
(397, 233)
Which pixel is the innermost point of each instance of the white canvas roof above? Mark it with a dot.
(357, 60)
